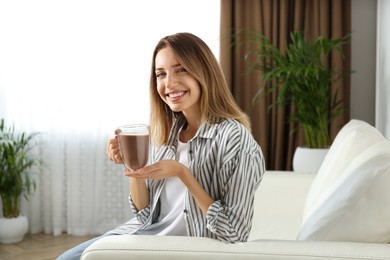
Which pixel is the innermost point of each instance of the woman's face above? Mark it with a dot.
(176, 87)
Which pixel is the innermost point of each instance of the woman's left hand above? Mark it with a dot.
(159, 170)
(171, 168)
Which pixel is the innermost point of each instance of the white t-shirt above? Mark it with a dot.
(171, 220)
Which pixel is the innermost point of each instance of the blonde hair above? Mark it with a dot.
(216, 99)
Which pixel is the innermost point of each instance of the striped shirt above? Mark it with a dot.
(228, 164)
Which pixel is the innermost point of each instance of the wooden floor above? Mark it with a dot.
(39, 247)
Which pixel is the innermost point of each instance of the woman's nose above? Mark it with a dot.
(170, 80)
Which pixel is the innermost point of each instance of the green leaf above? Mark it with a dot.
(16, 161)
(300, 75)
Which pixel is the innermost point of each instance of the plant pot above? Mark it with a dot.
(12, 230)
(308, 160)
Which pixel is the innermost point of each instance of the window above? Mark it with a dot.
(81, 64)
(76, 70)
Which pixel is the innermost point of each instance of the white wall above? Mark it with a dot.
(363, 52)
(382, 112)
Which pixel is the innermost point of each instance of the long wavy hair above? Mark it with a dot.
(216, 101)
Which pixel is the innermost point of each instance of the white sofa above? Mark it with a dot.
(297, 216)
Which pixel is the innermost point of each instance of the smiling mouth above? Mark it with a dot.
(176, 94)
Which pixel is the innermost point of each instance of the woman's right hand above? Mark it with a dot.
(138, 190)
(112, 150)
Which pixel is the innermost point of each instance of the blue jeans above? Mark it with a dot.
(75, 252)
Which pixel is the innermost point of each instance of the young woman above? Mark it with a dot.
(205, 165)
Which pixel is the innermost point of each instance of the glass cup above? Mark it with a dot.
(134, 145)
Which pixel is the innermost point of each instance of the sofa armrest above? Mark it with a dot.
(170, 247)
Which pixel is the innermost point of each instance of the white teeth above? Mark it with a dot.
(177, 94)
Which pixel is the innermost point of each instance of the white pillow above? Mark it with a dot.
(356, 206)
(354, 138)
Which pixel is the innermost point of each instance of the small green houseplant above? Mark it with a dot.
(15, 162)
(302, 78)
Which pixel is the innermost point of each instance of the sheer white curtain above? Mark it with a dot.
(382, 111)
(74, 70)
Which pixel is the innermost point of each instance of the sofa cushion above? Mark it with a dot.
(354, 138)
(351, 205)
(279, 205)
(141, 247)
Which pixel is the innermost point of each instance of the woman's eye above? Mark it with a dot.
(160, 74)
(182, 70)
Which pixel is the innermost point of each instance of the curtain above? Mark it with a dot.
(382, 110)
(73, 71)
(276, 19)
(78, 190)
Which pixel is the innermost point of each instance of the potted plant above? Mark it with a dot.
(301, 76)
(15, 180)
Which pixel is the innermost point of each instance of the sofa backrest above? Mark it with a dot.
(279, 204)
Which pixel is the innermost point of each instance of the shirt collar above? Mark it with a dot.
(206, 130)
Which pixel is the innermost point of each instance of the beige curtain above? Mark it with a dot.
(276, 19)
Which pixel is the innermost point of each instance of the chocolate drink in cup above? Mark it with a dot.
(134, 145)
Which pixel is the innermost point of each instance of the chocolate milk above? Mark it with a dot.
(134, 149)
